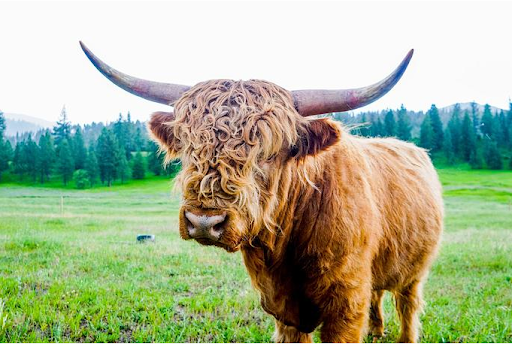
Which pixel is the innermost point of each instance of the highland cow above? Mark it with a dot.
(326, 221)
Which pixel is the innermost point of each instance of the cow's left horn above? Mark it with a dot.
(315, 102)
(155, 91)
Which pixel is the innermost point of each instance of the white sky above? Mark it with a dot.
(463, 50)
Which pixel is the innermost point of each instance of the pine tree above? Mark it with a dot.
(496, 129)
(467, 138)
(9, 152)
(508, 119)
(155, 159)
(364, 130)
(377, 128)
(107, 153)
(426, 133)
(492, 155)
(138, 170)
(2, 124)
(66, 164)
(6, 155)
(487, 123)
(510, 136)
(503, 129)
(118, 129)
(79, 151)
(31, 156)
(475, 119)
(5, 147)
(403, 125)
(475, 160)
(437, 128)
(121, 130)
(448, 148)
(91, 166)
(19, 160)
(63, 128)
(139, 142)
(46, 157)
(129, 144)
(454, 126)
(390, 124)
(122, 167)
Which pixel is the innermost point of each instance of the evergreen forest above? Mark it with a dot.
(102, 154)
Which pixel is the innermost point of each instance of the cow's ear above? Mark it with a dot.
(161, 126)
(317, 136)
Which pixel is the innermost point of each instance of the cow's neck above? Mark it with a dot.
(299, 191)
(278, 260)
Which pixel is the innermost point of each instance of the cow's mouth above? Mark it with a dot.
(225, 246)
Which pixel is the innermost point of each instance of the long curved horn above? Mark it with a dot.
(155, 91)
(315, 102)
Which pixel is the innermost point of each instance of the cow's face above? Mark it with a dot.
(233, 138)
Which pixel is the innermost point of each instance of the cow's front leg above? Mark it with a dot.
(289, 334)
(346, 315)
(377, 315)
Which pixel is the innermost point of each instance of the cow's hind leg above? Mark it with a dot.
(376, 314)
(289, 334)
(409, 302)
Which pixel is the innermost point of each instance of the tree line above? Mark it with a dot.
(88, 155)
(99, 153)
(483, 139)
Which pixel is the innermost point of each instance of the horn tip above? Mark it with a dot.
(405, 62)
(85, 50)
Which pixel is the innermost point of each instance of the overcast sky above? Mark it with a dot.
(463, 50)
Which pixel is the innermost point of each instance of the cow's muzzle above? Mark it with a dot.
(202, 226)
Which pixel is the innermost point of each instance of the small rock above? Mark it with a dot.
(142, 238)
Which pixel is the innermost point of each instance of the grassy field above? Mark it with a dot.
(75, 273)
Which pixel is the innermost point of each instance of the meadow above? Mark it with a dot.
(71, 270)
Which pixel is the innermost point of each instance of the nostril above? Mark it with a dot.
(219, 227)
(217, 219)
(189, 215)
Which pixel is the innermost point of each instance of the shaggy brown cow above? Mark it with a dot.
(326, 221)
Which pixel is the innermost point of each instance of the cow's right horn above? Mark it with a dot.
(155, 91)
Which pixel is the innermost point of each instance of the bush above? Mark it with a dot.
(81, 178)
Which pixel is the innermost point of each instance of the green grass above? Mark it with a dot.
(55, 182)
(75, 273)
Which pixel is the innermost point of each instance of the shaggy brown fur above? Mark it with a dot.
(326, 221)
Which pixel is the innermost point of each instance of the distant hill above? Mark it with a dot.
(446, 112)
(18, 123)
(467, 107)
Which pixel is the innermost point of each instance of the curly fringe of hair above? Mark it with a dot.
(227, 130)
